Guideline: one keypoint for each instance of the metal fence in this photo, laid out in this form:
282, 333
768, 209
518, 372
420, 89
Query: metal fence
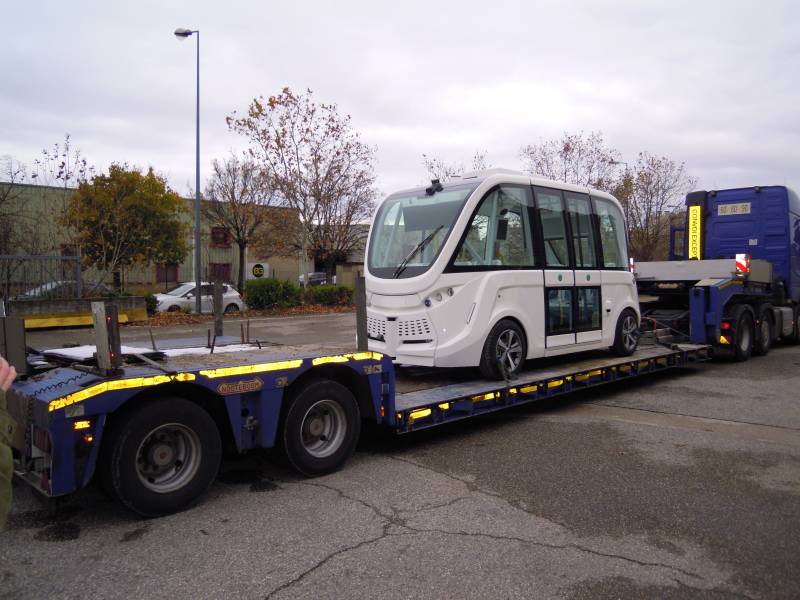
28, 277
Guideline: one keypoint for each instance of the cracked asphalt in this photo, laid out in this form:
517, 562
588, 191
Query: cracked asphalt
685, 486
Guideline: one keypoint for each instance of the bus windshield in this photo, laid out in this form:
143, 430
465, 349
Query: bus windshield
410, 229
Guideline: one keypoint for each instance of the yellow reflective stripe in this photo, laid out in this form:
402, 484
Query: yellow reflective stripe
119, 384
528, 388
556, 383
250, 369
419, 414
341, 358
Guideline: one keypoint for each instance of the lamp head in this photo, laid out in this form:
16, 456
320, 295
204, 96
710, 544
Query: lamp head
182, 33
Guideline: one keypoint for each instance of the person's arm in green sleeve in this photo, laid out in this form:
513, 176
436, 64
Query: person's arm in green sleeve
7, 376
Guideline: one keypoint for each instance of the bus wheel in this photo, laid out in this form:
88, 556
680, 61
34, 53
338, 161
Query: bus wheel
504, 351
626, 338
321, 428
162, 456
763, 341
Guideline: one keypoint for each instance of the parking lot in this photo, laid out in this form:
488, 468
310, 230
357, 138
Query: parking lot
686, 485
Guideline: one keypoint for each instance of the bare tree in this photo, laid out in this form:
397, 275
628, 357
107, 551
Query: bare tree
444, 171
313, 160
651, 194
238, 197
62, 164
574, 158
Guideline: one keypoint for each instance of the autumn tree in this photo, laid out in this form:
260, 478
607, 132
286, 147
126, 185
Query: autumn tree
445, 171
126, 218
238, 198
575, 158
650, 193
315, 163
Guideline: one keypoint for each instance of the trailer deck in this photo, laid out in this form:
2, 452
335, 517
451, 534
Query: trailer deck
420, 406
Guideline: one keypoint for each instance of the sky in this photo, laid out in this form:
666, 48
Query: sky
712, 84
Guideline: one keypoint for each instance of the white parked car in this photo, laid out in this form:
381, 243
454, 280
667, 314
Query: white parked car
497, 267
183, 298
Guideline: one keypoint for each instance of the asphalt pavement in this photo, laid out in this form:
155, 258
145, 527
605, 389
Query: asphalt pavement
683, 485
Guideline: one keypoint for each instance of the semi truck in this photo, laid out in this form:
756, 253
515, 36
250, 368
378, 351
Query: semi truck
152, 424
733, 278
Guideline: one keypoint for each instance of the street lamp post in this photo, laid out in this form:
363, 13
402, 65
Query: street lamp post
182, 34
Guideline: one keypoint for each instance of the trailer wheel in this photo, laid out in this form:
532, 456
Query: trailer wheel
321, 428
505, 345
626, 337
161, 457
743, 335
763, 341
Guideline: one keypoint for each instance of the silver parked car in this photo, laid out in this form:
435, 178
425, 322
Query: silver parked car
183, 298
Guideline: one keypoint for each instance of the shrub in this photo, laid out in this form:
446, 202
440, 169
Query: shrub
260, 294
330, 295
151, 303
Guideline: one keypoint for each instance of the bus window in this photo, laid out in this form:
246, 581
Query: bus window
499, 234
554, 233
583, 241
612, 235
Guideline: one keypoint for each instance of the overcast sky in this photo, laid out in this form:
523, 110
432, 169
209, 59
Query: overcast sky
714, 84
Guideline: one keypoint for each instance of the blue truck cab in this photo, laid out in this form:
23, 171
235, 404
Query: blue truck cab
733, 278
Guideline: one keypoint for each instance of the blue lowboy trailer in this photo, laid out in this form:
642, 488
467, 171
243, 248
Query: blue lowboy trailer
734, 278
154, 432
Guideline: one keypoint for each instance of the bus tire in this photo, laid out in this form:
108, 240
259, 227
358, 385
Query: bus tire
161, 456
505, 344
626, 336
321, 428
763, 330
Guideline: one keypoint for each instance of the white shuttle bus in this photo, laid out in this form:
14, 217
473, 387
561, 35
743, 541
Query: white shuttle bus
496, 267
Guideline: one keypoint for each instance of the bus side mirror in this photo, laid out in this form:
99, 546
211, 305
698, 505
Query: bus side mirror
502, 229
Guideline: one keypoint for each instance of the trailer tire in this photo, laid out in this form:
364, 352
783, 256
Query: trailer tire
161, 456
504, 336
626, 336
743, 334
321, 428
764, 330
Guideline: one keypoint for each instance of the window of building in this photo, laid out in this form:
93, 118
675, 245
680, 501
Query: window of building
219, 271
220, 237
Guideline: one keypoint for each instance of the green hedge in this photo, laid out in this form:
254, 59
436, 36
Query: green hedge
329, 295
151, 303
260, 294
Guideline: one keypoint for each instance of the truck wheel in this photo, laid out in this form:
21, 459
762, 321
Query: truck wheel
794, 337
505, 345
321, 428
763, 341
626, 338
161, 457
743, 336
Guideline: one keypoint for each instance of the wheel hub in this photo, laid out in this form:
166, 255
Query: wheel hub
161, 455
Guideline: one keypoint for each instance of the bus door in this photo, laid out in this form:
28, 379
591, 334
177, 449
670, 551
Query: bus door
559, 276
588, 296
